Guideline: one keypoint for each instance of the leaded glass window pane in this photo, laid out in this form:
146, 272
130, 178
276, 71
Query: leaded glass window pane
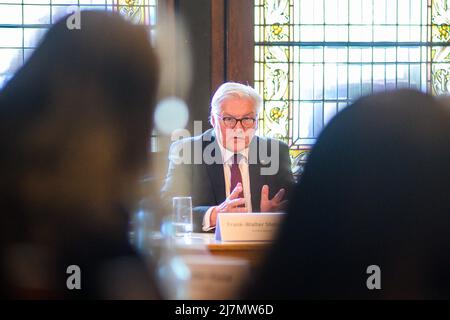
24, 22
314, 57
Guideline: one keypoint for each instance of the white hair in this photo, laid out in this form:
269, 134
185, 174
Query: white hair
235, 90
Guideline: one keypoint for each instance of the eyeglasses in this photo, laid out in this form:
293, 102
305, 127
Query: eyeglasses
231, 122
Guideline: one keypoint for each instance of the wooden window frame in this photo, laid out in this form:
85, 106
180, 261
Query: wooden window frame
232, 45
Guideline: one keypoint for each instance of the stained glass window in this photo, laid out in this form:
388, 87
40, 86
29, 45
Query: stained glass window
314, 57
24, 22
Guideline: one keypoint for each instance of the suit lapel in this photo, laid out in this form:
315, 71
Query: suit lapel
215, 170
256, 179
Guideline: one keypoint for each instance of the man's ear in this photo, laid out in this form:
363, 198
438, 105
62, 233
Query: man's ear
212, 120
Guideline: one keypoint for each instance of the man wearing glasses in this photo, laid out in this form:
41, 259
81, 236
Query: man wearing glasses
240, 180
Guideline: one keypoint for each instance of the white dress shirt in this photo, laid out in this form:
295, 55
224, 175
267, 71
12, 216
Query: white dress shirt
227, 158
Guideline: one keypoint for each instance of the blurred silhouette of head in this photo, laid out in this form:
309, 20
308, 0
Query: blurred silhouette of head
374, 192
77, 116
75, 127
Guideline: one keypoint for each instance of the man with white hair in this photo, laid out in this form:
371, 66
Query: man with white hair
238, 171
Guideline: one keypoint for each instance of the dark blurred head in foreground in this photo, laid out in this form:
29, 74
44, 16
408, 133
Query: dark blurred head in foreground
375, 191
75, 126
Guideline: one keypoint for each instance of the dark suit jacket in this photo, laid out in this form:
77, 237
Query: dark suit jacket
205, 183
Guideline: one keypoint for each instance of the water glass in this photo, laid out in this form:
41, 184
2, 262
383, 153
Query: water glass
182, 215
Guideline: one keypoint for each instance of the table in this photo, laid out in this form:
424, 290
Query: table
218, 269
204, 243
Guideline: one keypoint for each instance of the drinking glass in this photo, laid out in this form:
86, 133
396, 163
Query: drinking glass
182, 215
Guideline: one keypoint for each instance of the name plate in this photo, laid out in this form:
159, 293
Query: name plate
247, 226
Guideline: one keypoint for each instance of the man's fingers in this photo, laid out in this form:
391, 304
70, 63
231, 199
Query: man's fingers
282, 206
265, 193
236, 202
240, 210
236, 191
279, 196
